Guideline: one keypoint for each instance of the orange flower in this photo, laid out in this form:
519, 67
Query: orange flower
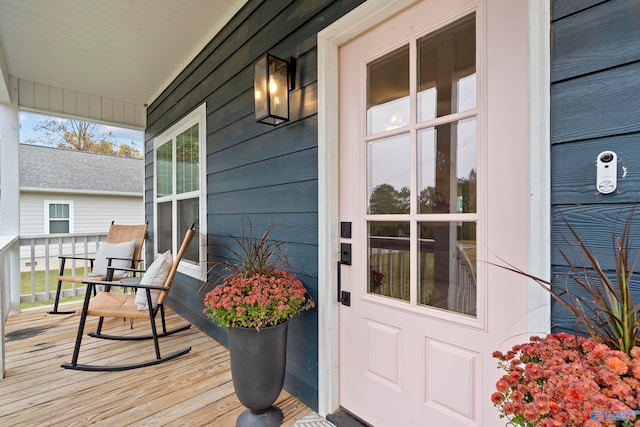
616, 365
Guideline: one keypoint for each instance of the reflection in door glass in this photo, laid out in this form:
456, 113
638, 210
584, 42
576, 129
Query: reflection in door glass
388, 175
389, 259
447, 266
447, 168
388, 92
446, 70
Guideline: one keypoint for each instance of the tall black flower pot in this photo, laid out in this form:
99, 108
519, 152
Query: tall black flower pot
258, 363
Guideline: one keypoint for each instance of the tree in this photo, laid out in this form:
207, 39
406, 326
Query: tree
71, 134
385, 199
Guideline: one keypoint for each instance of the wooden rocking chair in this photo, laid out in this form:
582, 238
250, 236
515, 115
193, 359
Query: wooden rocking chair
115, 249
115, 304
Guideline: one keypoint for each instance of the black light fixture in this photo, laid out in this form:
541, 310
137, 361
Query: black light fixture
272, 82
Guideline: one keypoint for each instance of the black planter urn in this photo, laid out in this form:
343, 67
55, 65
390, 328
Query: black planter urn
258, 364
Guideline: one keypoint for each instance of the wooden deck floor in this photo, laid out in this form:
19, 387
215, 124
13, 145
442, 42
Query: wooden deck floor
192, 390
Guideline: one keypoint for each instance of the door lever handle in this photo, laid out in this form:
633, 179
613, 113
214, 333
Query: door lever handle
344, 297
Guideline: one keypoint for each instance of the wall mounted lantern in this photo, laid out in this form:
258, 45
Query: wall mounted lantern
272, 82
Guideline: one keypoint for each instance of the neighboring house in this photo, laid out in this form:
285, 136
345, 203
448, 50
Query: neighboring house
65, 191
434, 137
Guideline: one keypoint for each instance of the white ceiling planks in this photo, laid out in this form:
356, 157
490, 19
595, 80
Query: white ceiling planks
126, 51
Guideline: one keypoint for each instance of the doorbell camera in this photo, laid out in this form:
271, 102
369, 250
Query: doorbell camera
606, 172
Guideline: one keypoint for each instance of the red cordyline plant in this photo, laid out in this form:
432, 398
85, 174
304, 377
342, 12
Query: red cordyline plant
563, 380
258, 292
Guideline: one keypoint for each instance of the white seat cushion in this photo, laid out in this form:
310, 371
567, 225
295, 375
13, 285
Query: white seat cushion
156, 275
113, 250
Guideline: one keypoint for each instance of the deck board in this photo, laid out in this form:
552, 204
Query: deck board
192, 390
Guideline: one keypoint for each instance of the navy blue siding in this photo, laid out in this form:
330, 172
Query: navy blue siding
577, 53
562, 8
595, 106
256, 173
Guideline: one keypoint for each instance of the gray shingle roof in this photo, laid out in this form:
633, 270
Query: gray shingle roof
52, 168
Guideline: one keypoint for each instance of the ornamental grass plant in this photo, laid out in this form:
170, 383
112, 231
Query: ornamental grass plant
257, 291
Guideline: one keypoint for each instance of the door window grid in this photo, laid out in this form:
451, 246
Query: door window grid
442, 215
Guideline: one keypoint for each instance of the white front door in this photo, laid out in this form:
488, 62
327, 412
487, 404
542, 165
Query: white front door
433, 182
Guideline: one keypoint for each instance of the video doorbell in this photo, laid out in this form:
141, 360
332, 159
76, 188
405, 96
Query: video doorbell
606, 172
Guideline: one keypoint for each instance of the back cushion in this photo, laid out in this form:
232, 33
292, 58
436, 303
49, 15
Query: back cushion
115, 250
155, 275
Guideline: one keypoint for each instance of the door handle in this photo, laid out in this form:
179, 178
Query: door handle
344, 297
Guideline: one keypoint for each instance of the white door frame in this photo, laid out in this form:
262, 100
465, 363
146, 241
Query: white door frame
361, 19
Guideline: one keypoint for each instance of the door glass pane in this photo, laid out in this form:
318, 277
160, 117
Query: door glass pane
187, 161
163, 234
389, 259
447, 168
164, 179
447, 266
388, 175
447, 70
188, 213
388, 92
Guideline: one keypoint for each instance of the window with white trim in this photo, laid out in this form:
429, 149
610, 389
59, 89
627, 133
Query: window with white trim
179, 160
58, 216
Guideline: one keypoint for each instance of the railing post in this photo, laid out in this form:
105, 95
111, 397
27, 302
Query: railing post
33, 270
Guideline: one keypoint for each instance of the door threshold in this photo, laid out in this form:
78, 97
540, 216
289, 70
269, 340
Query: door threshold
341, 418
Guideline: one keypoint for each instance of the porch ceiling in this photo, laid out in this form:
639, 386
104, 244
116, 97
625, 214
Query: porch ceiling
127, 50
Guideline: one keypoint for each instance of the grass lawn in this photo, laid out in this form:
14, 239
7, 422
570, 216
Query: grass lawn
40, 276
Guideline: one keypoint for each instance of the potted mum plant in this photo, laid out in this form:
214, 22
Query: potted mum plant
256, 300
572, 380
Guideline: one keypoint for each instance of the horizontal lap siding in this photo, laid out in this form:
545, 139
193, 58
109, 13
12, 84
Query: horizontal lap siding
596, 105
563, 8
257, 174
595, 74
90, 213
615, 43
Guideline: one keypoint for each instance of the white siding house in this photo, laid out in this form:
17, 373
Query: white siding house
63, 191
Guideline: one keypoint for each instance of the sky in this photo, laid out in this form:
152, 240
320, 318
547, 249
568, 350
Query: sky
123, 136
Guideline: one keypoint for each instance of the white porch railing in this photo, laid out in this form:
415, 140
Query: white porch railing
389, 272
39, 255
9, 250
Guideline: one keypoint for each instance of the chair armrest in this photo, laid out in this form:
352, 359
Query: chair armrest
138, 285
76, 257
124, 259
130, 269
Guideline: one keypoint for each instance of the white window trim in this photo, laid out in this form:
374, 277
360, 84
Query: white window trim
197, 116
539, 162
47, 225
